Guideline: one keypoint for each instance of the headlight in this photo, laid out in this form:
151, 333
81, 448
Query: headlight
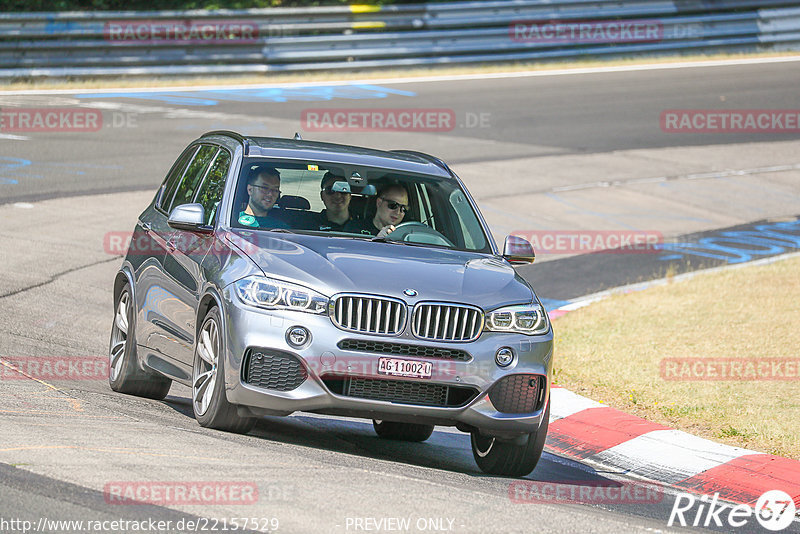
529, 319
273, 294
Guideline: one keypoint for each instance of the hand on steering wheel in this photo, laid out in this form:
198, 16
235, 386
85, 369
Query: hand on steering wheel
385, 231
403, 230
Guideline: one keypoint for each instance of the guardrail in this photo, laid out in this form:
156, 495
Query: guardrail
92, 44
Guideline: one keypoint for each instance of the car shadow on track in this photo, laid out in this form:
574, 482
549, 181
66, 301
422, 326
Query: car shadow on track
447, 449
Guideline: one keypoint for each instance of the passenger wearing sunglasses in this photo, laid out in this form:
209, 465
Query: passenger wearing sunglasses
263, 190
337, 205
391, 206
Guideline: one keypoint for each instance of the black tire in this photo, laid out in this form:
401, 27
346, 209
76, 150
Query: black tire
214, 411
510, 458
124, 374
402, 431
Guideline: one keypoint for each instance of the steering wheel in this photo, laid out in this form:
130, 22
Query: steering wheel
404, 231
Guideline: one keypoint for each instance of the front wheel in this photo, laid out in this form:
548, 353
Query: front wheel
211, 407
510, 458
124, 375
402, 431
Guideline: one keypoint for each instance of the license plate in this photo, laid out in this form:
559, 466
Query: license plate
409, 368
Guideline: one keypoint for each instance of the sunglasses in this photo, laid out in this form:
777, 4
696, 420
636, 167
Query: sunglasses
392, 205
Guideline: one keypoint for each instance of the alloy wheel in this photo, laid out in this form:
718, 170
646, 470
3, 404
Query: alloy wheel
119, 336
205, 367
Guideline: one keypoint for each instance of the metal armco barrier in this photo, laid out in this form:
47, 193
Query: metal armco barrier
92, 44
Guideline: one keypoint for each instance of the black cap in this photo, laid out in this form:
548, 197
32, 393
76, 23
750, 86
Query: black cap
330, 175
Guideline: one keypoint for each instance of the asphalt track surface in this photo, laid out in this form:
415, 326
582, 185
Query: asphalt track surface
59, 448
522, 118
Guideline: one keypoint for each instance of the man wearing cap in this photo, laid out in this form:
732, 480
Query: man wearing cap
337, 205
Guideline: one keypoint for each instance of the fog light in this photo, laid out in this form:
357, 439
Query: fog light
504, 357
297, 336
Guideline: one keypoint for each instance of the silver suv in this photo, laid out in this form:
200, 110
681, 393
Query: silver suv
280, 275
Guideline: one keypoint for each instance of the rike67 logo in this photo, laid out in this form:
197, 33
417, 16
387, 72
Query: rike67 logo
774, 510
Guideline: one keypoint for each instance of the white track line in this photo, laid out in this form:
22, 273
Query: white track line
426, 79
669, 455
564, 403
580, 302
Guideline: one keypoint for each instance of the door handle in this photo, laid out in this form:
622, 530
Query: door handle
171, 245
147, 227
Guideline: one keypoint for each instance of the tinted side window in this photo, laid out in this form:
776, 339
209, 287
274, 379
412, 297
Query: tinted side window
194, 173
171, 182
210, 192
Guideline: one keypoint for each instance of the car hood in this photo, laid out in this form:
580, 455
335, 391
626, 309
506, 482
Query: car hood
335, 265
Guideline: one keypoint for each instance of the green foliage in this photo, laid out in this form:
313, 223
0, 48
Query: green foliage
730, 432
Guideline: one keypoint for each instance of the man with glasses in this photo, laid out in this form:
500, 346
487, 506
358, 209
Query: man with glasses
337, 205
391, 206
263, 190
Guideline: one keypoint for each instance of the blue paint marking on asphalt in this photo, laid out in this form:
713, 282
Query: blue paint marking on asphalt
10, 169
11, 165
739, 246
212, 97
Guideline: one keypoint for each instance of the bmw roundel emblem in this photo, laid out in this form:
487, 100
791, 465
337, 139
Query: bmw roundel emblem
410, 292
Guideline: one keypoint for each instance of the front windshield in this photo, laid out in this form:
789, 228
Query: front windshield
344, 201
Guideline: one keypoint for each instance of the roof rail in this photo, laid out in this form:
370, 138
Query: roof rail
239, 137
433, 159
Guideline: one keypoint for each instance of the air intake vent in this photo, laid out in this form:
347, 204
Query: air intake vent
518, 393
368, 314
447, 322
273, 370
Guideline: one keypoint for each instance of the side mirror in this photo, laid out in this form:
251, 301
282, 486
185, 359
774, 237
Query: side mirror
518, 250
189, 217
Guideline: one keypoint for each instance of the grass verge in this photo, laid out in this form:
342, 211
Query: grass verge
612, 352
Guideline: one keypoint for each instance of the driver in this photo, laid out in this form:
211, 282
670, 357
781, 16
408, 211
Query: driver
391, 206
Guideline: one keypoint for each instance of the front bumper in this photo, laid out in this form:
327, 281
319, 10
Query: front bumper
252, 328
